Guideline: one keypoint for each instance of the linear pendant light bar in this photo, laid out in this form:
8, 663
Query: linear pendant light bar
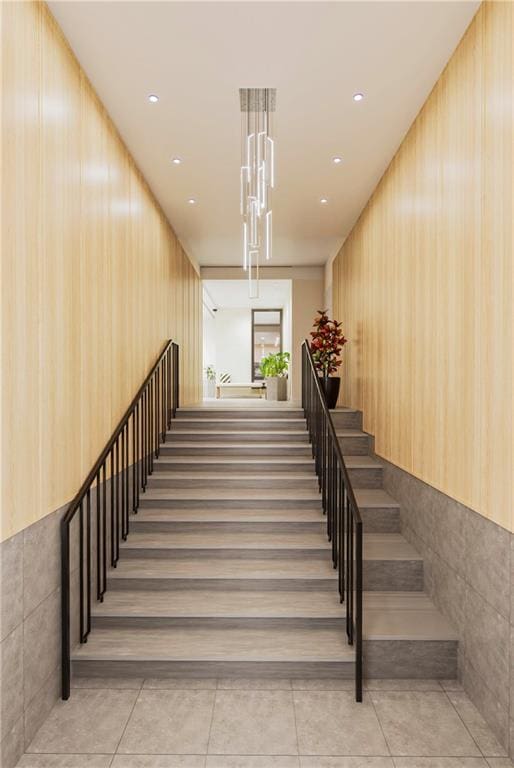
257, 179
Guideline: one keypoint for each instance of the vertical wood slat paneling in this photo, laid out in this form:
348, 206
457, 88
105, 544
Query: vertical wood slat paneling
424, 283
89, 273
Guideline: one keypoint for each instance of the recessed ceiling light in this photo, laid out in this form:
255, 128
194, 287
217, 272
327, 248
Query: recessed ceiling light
176, 160
324, 200
192, 201
336, 160
358, 96
153, 98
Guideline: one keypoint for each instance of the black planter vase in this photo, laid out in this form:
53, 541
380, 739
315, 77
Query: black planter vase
331, 386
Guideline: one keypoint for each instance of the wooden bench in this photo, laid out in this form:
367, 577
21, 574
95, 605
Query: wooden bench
233, 385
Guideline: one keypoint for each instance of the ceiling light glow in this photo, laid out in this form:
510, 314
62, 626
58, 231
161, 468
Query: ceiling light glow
336, 160
192, 201
176, 160
324, 200
153, 98
358, 96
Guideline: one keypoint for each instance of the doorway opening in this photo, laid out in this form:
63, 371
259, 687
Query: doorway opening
238, 332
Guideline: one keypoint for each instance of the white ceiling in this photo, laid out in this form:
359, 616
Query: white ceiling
196, 55
233, 294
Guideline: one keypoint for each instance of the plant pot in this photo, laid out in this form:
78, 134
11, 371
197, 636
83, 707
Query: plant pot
331, 386
209, 388
276, 388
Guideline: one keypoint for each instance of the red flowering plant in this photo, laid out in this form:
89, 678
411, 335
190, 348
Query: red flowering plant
327, 342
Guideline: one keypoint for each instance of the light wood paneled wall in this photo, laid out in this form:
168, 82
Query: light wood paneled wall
93, 279
424, 283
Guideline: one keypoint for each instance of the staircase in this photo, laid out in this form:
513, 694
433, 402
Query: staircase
227, 570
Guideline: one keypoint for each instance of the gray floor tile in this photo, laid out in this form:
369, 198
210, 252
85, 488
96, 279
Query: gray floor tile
65, 761
476, 725
158, 761
341, 684
180, 684
253, 723
120, 683
169, 722
12, 745
440, 762
422, 724
332, 723
252, 761
253, 684
89, 722
499, 762
402, 685
345, 762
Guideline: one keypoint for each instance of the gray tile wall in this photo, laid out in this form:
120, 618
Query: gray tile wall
29, 633
30, 625
469, 574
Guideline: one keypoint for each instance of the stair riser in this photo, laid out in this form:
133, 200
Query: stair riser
354, 446
366, 477
212, 669
240, 503
308, 482
235, 552
239, 437
393, 575
421, 659
143, 526
240, 425
242, 452
350, 420
381, 520
230, 468
207, 623
271, 585
223, 414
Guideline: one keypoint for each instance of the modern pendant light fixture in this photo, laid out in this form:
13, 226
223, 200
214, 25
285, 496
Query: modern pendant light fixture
257, 179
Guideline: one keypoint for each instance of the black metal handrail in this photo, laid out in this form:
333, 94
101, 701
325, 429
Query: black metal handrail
125, 464
344, 523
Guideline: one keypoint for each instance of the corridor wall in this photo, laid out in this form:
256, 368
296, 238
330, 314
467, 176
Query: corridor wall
93, 278
424, 284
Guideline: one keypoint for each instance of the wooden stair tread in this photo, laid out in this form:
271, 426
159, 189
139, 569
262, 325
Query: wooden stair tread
215, 568
185, 644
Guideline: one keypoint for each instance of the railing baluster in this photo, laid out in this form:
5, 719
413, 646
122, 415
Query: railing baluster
81, 571
134, 462
145, 439
122, 478
88, 563
98, 538
127, 495
104, 530
113, 535
117, 496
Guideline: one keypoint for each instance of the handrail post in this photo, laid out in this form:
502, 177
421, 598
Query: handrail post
65, 610
358, 610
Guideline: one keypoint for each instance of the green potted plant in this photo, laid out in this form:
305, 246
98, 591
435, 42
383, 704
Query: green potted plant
274, 370
326, 345
210, 377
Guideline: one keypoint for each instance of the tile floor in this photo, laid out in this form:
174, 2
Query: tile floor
158, 723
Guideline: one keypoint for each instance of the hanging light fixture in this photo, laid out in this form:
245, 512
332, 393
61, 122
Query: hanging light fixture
257, 179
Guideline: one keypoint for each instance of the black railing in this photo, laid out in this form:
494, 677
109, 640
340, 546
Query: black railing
344, 523
108, 496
